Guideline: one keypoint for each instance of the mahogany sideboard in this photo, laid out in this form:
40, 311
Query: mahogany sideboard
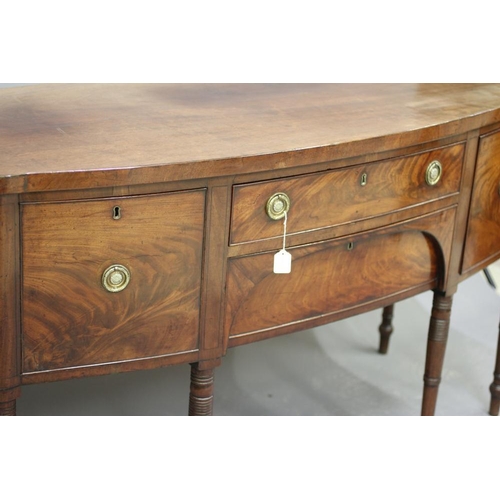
140, 223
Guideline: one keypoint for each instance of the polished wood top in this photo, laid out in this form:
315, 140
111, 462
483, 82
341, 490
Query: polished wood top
184, 131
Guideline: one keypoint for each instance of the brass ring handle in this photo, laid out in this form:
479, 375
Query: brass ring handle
115, 278
433, 173
277, 205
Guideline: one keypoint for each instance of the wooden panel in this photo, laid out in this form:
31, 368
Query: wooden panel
9, 301
70, 320
483, 232
337, 197
328, 277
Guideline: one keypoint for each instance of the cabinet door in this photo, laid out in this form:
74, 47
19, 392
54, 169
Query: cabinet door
110, 280
483, 232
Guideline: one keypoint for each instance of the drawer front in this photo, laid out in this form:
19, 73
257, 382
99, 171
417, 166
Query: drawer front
70, 319
483, 232
345, 195
334, 276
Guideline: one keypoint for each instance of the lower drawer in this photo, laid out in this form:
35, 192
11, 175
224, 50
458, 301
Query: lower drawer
76, 310
330, 277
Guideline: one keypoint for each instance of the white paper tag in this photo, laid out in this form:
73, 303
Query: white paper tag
282, 262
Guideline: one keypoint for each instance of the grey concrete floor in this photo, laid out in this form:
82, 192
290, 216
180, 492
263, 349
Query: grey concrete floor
330, 370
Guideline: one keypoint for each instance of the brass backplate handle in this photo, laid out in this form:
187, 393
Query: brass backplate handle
433, 172
115, 278
277, 205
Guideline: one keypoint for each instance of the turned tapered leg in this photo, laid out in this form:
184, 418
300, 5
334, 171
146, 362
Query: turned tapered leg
8, 408
436, 346
201, 391
386, 328
495, 386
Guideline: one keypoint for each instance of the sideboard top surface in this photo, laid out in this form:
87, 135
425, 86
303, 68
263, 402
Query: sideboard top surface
184, 131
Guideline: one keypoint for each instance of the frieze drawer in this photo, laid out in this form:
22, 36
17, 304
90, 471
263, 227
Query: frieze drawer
110, 280
347, 195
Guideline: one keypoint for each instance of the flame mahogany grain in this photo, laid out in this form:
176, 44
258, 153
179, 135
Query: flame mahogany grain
337, 197
328, 277
483, 232
70, 320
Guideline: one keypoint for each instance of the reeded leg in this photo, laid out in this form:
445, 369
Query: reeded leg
495, 386
201, 391
8, 408
436, 346
386, 329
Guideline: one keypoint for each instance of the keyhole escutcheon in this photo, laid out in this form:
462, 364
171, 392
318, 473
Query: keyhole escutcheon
117, 212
